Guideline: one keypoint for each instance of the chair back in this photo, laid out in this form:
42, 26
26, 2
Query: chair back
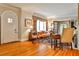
67, 35
34, 34
52, 35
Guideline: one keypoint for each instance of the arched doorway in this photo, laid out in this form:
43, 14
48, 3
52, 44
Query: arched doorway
9, 27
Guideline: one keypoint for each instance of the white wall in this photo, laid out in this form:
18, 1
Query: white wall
24, 33
26, 14
7, 7
78, 36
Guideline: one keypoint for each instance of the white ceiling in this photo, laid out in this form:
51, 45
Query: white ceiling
50, 9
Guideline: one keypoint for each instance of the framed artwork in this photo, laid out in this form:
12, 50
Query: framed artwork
28, 22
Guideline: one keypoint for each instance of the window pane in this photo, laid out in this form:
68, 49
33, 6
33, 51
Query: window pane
10, 20
38, 25
41, 26
44, 26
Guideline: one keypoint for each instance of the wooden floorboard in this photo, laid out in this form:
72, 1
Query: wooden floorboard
36, 49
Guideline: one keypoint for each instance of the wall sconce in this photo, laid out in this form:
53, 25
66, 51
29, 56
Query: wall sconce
28, 30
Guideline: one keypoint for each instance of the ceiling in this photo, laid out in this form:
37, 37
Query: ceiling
50, 9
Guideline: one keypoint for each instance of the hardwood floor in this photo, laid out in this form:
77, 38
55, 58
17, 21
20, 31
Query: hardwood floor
29, 49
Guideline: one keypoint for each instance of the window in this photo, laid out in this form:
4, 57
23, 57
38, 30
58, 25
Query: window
10, 20
41, 25
38, 25
62, 26
44, 26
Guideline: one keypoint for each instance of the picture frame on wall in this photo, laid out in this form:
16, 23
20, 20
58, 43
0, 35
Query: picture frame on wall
28, 22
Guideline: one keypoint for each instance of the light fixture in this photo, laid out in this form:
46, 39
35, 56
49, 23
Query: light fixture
28, 30
31, 27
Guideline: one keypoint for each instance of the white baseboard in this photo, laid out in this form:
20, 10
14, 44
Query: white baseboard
23, 40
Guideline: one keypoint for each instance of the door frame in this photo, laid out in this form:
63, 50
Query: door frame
0, 29
1, 19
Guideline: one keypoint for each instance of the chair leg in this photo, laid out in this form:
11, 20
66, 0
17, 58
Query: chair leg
37, 40
55, 44
71, 45
51, 43
32, 40
61, 44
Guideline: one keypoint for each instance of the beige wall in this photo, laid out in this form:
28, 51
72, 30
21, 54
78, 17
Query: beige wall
78, 26
24, 32
6, 7
0, 29
23, 35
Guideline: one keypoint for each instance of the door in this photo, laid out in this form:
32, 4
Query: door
9, 27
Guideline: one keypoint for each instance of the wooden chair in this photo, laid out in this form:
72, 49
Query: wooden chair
56, 39
34, 36
67, 36
52, 35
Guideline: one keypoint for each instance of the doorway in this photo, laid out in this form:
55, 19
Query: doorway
9, 27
